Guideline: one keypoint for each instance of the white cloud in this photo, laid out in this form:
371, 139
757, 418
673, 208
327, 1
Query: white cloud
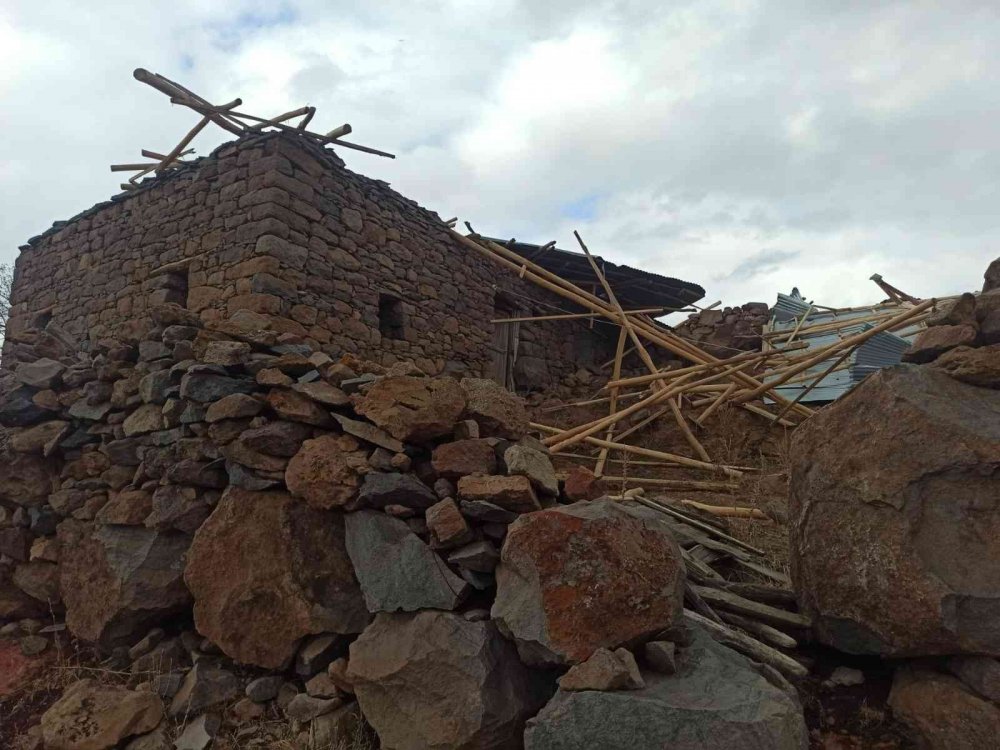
814, 144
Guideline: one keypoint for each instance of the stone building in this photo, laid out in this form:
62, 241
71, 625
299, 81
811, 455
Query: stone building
272, 231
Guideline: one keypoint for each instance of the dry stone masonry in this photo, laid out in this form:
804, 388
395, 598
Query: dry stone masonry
257, 527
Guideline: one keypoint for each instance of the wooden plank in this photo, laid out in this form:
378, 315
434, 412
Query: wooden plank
755, 610
749, 646
767, 634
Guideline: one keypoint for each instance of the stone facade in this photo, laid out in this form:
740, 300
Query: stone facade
272, 231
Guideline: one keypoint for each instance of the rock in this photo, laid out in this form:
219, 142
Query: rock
396, 569
454, 460
321, 686
718, 699
413, 409
369, 433
979, 366
153, 387
39, 580
147, 418
498, 412
198, 734
204, 686
961, 311
118, 580
480, 556
42, 373
891, 517
168, 656
208, 387
264, 689
932, 342
127, 508
939, 713
18, 408
381, 489
845, 677
988, 317
317, 653
180, 508
337, 728
326, 472
32, 645
575, 578
534, 464
322, 393
980, 673
275, 439
236, 406
485, 512
337, 672
167, 685
604, 670
155, 740
245, 710
265, 571
661, 656
510, 493
90, 716
294, 407
226, 353
41, 438
306, 708
435, 680
582, 484
991, 279
446, 525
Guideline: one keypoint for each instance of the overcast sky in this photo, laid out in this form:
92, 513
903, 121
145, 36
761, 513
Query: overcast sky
746, 146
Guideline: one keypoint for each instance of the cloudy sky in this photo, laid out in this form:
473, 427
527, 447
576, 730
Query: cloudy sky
747, 146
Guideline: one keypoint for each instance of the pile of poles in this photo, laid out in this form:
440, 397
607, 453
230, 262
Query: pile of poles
229, 119
688, 395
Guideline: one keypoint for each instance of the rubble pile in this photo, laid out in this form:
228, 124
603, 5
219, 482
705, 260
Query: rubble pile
250, 528
894, 518
723, 333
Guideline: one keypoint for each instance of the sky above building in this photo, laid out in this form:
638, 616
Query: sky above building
746, 146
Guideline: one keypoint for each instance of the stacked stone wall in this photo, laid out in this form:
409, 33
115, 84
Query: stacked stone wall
276, 233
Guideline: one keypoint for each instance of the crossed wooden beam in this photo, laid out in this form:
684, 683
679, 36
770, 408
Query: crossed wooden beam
227, 118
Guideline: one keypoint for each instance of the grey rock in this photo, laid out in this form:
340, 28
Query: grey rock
317, 653
42, 373
264, 689
306, 708
33, 644
981, 673
486, 512
153, 387
167, 685
717, 699
198, 734
155, 740
533, 464
433, 679
17, 409
661, 656
604, 670
396, 570
845, 677
205, 685
480, 556
380, 489
206, 387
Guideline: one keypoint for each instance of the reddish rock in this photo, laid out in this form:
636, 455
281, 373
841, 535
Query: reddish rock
413, 409
938, 712
580, 577
604, 670
41, 438
16, 669
323, 393
510, 493
295, 407
126, 508
26, 478
326, 472
447, 525
893, 521
234, 406
498, 412
582, 484
266, 570
980, 366
464, 457
935, 341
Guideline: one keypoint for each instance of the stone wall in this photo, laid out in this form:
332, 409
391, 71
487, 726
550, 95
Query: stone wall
273, 232
727, 332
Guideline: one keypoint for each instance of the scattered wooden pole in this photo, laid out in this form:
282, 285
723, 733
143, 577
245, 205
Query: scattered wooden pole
749, 646
616, 373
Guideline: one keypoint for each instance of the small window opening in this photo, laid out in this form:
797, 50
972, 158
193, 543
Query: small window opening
391, 318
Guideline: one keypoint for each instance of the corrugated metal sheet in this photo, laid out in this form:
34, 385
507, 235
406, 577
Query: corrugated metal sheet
881, 350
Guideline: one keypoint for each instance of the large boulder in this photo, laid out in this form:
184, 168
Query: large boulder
91, 716
412, 409
717, 699
435, 681
326, 471
975, 366
579, 577
396, 569
116, 581
895, 517
938, 712
266, 570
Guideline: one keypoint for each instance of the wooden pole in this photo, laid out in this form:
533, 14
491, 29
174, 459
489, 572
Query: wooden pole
688, 435
616, 373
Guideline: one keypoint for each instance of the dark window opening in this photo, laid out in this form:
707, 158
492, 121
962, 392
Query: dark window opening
391, 318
